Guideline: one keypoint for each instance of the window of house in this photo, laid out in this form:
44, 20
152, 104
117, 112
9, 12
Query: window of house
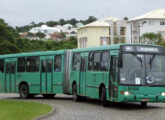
76, 62
57, 63
151, 23
96, 61
162, 22
2, 65
104, 41
21, 64
104, 61
32, 64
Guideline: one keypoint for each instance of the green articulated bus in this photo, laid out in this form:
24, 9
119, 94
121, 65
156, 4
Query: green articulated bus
118, 73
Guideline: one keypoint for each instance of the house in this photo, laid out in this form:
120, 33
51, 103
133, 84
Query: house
44, 29
102, 32
56, 36
153, 21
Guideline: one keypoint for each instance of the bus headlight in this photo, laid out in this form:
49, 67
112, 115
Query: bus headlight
126, 93
163, 94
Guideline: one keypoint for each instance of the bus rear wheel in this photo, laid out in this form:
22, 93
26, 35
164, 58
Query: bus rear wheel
24, 91
75, 96
103, 97
48, 95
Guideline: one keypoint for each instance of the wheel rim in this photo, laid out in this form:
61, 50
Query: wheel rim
24, 91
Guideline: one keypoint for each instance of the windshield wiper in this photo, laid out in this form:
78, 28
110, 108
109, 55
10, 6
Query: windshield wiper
151, 60
138, 58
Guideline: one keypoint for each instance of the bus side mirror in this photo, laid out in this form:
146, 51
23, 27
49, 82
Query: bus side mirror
120, 61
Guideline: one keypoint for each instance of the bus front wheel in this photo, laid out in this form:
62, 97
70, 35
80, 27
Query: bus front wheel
75, 96
103, 97
24, 91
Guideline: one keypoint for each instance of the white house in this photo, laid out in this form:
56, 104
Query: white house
153, 21
45, 29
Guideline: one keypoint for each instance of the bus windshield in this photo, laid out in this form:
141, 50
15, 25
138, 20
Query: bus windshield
143, 69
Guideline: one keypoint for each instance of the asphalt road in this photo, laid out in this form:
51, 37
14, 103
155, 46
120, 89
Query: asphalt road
67, 109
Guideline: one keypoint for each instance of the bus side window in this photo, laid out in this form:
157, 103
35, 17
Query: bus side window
57, 63
90, 61
2, 65
33, 64
76, 62
96, 61
104, 61
21, 64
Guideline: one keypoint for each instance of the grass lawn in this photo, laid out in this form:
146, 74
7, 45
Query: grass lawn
20, 110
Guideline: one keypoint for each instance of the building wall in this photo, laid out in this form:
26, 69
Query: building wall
98, 36
146, 26
92, 35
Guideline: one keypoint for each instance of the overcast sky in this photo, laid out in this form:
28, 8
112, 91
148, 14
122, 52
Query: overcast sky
23, 12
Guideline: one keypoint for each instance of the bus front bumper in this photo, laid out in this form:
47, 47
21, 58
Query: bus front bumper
141, 98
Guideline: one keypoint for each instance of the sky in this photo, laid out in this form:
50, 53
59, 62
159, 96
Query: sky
23, 12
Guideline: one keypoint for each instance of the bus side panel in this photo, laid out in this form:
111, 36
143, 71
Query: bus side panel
32, 79
58, 79
92, 88
2, 82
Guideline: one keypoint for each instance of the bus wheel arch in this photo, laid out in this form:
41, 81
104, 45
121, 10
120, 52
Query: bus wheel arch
24, 90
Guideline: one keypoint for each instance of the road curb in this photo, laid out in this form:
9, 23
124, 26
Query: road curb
46, 115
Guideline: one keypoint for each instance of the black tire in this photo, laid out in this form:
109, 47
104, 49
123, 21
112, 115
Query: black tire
31, 95
143, 104
48, 95
75, 96
24, 91
103, 97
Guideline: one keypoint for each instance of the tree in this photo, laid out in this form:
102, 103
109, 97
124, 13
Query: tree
73, 21
150, 38
62, 22
30, 34
51, 23
125, 18
40, 35
91, 19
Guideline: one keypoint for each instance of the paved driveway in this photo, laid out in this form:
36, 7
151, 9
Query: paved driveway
67, 109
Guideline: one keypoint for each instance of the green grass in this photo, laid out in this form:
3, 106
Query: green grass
20, 110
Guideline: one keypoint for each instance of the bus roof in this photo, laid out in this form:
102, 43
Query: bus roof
32, 54
108, 47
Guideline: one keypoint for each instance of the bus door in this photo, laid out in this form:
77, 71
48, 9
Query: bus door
83, 75
47, 76
113, 85
10, 76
